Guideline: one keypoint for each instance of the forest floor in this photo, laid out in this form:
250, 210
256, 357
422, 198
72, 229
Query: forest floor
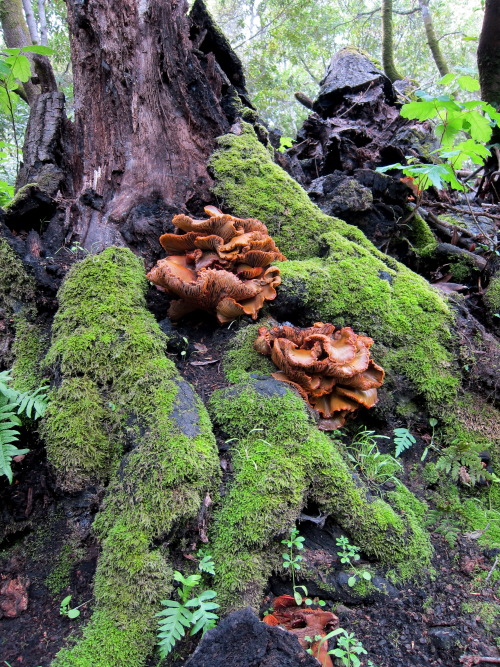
448, 614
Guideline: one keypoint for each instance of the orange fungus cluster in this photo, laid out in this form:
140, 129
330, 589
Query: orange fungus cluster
331, 369
222, 264
308, 625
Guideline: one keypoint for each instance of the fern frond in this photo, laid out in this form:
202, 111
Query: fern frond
172, 625
33, 401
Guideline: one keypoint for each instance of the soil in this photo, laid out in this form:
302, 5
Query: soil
424, 624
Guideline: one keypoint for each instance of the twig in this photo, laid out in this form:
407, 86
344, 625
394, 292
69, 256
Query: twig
461, 210
491, 571
470, 660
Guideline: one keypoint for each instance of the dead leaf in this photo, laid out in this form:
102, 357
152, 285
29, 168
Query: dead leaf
203, 363
199, 347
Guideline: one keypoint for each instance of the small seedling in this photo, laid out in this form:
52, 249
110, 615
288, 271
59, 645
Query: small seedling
70, 612
206, 562
349, 555
432, 423
292, 561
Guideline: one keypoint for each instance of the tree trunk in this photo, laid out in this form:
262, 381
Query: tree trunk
488, 54
147, 111
387, 42
432, 39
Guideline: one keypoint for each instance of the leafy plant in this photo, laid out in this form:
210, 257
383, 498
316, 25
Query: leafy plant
349, 554
196, 613
432, 423
454, 120
377, 468
70, 612
206, 562
14, 403
443, 525
292, 560
348, 647
403, 440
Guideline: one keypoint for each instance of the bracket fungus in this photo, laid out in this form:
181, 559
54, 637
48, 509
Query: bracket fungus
221, 264
332, 370
308, 625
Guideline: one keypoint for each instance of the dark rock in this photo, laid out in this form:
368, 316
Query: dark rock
337, 194
241, 640
184, 412
349, 71
444, 638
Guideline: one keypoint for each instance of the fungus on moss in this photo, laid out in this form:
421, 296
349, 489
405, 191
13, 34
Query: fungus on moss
221, 264
332, 370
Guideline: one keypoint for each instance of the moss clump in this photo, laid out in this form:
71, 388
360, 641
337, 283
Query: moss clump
242, 358
421, 236
28, 349
492, 295
352, 283
119, 393
251, 184
17, 294
280, 461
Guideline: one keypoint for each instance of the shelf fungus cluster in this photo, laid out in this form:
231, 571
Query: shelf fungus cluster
222, 264
331, 369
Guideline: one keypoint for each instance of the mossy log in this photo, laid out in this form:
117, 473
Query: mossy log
120, 413
282, 461
334, 274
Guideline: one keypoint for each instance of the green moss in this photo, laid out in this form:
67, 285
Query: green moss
242, 359
492, 295
251, 184
119, 393
280, 461
60, 575
364, 588
409, 321
421, 236
462, 269
17, 294
352, 283
473, 423
20, 196
28, 349
430, 474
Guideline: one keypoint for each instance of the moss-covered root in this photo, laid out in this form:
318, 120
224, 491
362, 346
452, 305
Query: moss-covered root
281, 460
122, 412
336, 274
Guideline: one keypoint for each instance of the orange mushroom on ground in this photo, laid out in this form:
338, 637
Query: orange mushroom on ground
331, 369
222, 264
306, 624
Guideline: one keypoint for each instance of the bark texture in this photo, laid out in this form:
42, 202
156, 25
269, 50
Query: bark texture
488, 54
148, 107
432, 40
387, 42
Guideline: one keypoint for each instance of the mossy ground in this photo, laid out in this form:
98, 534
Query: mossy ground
351, 283
117, 414
492, 295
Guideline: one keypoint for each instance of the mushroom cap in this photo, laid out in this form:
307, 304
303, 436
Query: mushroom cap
331, 369
241, 248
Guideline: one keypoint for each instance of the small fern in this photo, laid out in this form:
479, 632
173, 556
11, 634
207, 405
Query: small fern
461, 464
196, 613
12, 404
403, 440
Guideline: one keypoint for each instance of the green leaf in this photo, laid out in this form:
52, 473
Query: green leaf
366, 575
446, 79
172, 625
479, 127
351, 581
73, 613
419, 110
468, 83
38, 48
21, 67
382, 170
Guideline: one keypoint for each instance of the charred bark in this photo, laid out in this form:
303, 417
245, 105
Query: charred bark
148, 106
